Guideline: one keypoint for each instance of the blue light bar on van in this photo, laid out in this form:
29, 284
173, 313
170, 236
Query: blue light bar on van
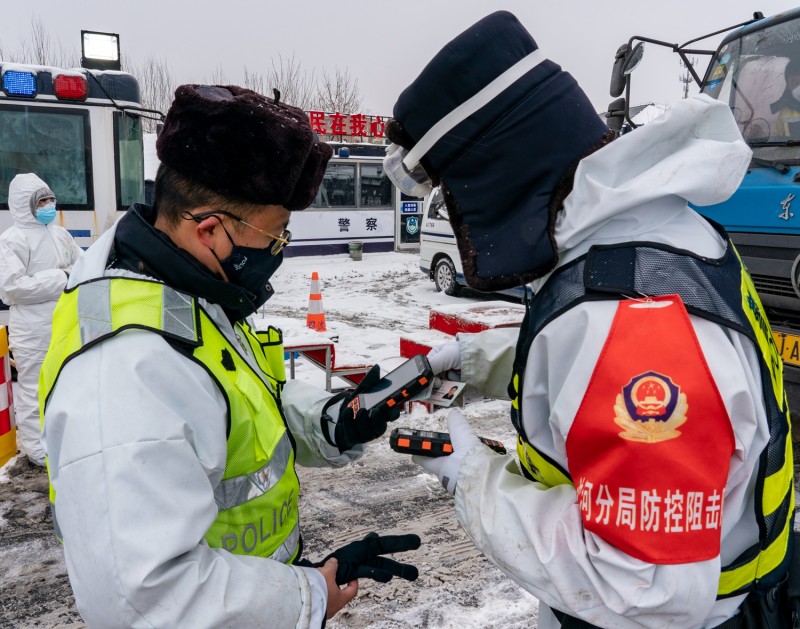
16, 83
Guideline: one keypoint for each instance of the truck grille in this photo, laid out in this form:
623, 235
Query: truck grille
774, 286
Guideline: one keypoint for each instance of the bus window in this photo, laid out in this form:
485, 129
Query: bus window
376, 189
129, 160
54, 144
339, 186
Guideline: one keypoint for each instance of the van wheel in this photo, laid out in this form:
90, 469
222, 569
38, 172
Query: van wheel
444, 276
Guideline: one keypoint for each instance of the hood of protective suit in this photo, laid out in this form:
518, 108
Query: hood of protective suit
693, 153
500, 125
19, 198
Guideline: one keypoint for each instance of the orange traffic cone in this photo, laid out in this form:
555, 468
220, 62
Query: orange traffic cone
315, 319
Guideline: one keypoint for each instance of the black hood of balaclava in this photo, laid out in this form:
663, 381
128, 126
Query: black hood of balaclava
500, 166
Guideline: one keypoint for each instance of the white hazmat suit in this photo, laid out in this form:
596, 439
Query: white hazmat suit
34, 262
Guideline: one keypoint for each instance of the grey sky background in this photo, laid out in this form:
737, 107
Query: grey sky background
382, 44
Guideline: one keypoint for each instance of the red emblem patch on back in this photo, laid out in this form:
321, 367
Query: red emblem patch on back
650, 446
650, 408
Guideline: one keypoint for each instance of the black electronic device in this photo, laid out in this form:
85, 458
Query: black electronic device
396, 387
429, 443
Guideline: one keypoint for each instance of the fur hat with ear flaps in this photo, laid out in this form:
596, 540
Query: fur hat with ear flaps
243, 145
507, 127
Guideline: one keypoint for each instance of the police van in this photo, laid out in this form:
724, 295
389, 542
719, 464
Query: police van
438, 253
80, 131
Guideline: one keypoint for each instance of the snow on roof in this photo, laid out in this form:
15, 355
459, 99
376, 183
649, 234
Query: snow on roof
642, 114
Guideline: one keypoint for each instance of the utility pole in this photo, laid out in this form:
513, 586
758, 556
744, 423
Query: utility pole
685, 76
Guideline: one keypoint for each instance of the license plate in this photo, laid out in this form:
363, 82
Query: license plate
789, 347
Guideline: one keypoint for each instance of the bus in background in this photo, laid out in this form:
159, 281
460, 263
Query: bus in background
80, 131
357, 203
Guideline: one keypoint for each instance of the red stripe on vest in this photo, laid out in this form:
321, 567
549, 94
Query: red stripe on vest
650, 446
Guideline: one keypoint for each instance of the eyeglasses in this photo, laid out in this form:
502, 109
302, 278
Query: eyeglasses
278, 242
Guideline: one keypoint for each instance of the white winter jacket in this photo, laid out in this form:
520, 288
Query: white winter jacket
34, 262
135, 472
635, 189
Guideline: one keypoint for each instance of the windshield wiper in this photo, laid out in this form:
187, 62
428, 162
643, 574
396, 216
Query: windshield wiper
773, 143
781, 168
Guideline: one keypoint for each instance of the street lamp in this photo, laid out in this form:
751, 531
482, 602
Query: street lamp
100, 51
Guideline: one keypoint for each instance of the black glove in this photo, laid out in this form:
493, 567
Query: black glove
361, 560
362, 425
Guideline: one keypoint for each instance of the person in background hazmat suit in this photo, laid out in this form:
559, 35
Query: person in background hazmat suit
653, 483
36, 257
170, 429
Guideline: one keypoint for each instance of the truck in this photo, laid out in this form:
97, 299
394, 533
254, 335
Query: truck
80, 130
752, 70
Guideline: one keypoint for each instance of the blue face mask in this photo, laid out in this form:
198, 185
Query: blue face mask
46, 214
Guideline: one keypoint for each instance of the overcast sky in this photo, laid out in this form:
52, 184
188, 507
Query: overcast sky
382, 44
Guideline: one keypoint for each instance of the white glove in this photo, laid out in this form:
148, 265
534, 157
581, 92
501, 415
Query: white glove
445, 357
445, 468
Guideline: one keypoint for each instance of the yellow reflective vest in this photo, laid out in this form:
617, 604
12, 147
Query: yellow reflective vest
258, 495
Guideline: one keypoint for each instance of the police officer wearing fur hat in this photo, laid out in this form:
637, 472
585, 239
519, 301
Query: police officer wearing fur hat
653, 482
171, 432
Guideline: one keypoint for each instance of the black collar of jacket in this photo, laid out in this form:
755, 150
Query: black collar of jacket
141, 248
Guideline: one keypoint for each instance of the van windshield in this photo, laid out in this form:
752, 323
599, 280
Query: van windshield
437, 209
54, 144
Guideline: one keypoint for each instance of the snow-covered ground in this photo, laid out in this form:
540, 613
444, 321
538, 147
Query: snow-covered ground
368, 305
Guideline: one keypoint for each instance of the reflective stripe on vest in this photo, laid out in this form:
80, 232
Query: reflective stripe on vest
257, 498
717, 290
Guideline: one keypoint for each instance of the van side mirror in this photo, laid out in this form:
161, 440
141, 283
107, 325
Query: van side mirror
625, 62
615, 116
633, 59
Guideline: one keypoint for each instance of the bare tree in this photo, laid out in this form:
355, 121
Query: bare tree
218, 77
42, 49
37, 48
157, 87
255, 81
295, 84
338, 92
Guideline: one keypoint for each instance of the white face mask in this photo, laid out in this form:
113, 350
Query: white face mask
796, 93
415, 182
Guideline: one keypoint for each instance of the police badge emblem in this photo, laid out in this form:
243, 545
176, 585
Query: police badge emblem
650, 408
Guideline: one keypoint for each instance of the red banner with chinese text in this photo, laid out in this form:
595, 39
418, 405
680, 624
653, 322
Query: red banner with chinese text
650, 446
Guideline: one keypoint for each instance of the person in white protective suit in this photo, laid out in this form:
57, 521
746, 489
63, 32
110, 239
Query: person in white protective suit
653, 482
35, 259
171, 432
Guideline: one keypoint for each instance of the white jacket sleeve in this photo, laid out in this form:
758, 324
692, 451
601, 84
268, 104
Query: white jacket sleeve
134, 466
302, 406
535, 534
73, 251
487, 359
17, 286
